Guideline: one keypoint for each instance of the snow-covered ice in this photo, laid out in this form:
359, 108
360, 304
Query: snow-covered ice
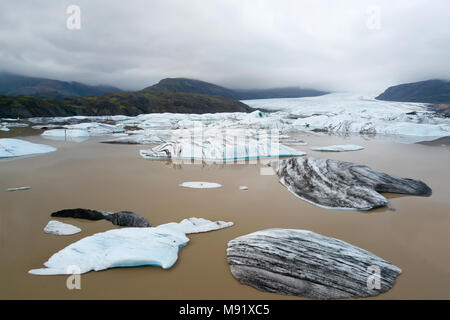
17, 147
243, 188
345, 113
60, 228
200, 185
338, 148
127, 247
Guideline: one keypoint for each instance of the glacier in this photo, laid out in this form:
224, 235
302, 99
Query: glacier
128, 247
17, 147
336, 113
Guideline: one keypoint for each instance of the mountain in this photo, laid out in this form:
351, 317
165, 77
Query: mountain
42, 87
125, 103
193, 86
430, 91
197, 86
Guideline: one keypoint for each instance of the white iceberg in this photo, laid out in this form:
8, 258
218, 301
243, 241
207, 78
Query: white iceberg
72, 135
66, 133
200, 185
215, 145
338, 148
16, 148
127, 247
60, 229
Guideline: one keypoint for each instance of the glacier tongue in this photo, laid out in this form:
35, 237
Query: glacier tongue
127, 247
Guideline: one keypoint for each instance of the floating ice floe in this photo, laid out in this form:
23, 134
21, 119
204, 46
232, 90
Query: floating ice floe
338, 148
16, 148
127, 247
200, 185
60, 229
333, 184
74, 135
243, 188
306, 264
19, 189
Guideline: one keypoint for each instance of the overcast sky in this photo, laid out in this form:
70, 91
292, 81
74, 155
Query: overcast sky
334, 45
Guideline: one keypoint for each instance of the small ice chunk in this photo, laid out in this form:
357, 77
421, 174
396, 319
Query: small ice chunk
60, 229
338, 148
200, 185
19, 189
243, 188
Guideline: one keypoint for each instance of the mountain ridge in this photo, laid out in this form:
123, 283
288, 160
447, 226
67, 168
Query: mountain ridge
428, 91
15, 84
198, 86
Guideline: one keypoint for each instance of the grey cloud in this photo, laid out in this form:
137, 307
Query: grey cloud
251, 44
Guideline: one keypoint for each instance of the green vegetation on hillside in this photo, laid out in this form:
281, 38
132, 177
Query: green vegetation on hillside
125, 103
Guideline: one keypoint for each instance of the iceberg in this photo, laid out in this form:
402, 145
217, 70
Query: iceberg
66, 133
220, 146
121, 218
127, 247
19, 189
333, 184
16, 148
307, 264
338, 148
200, 185
72, 135
60, 229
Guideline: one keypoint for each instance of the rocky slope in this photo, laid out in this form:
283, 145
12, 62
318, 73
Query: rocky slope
430, 91
41, 87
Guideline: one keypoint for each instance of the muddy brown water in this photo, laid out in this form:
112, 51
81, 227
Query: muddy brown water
89, 174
